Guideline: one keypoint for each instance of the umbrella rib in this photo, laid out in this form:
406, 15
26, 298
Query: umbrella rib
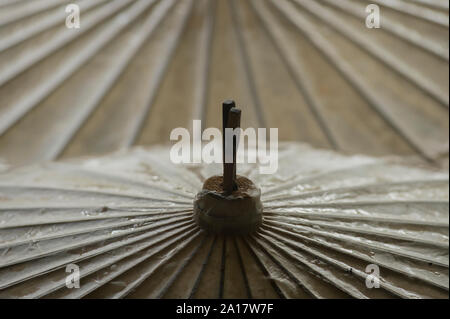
383, 56
264, 270
37, 8
43, 25
334, 280
304, 286
24, 188
399, 253
159, 75
359, 256
17, 111
183, 266
435, 5
5, 3
80, 293
147, 274
87, 218
130, 51
340, 190
203, 71
146, 257
78, 244
353, 217
99, 208
297, 75
60, 41
173, 171
202, 270
65, 38
86, 229
222, 268
357, 82
128, 181
406, 34
299, 179
358, 230
415, 11
346, 205
244, 274
338, 265
60, 261
245, 58
295, 181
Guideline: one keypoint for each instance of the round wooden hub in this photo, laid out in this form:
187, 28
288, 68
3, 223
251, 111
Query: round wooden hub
237, 213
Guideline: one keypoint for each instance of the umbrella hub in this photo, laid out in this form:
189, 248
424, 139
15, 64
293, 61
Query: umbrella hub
218, 211
229, 204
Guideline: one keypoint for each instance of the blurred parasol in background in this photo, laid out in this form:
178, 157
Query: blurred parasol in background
136, 69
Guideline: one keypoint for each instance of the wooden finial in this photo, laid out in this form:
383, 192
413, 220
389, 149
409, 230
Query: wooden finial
226, 108
229, 204
229, 169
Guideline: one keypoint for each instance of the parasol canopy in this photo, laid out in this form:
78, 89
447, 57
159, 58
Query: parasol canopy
136, 69
126, 220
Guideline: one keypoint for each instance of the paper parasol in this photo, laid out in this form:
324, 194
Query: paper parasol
126, 221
